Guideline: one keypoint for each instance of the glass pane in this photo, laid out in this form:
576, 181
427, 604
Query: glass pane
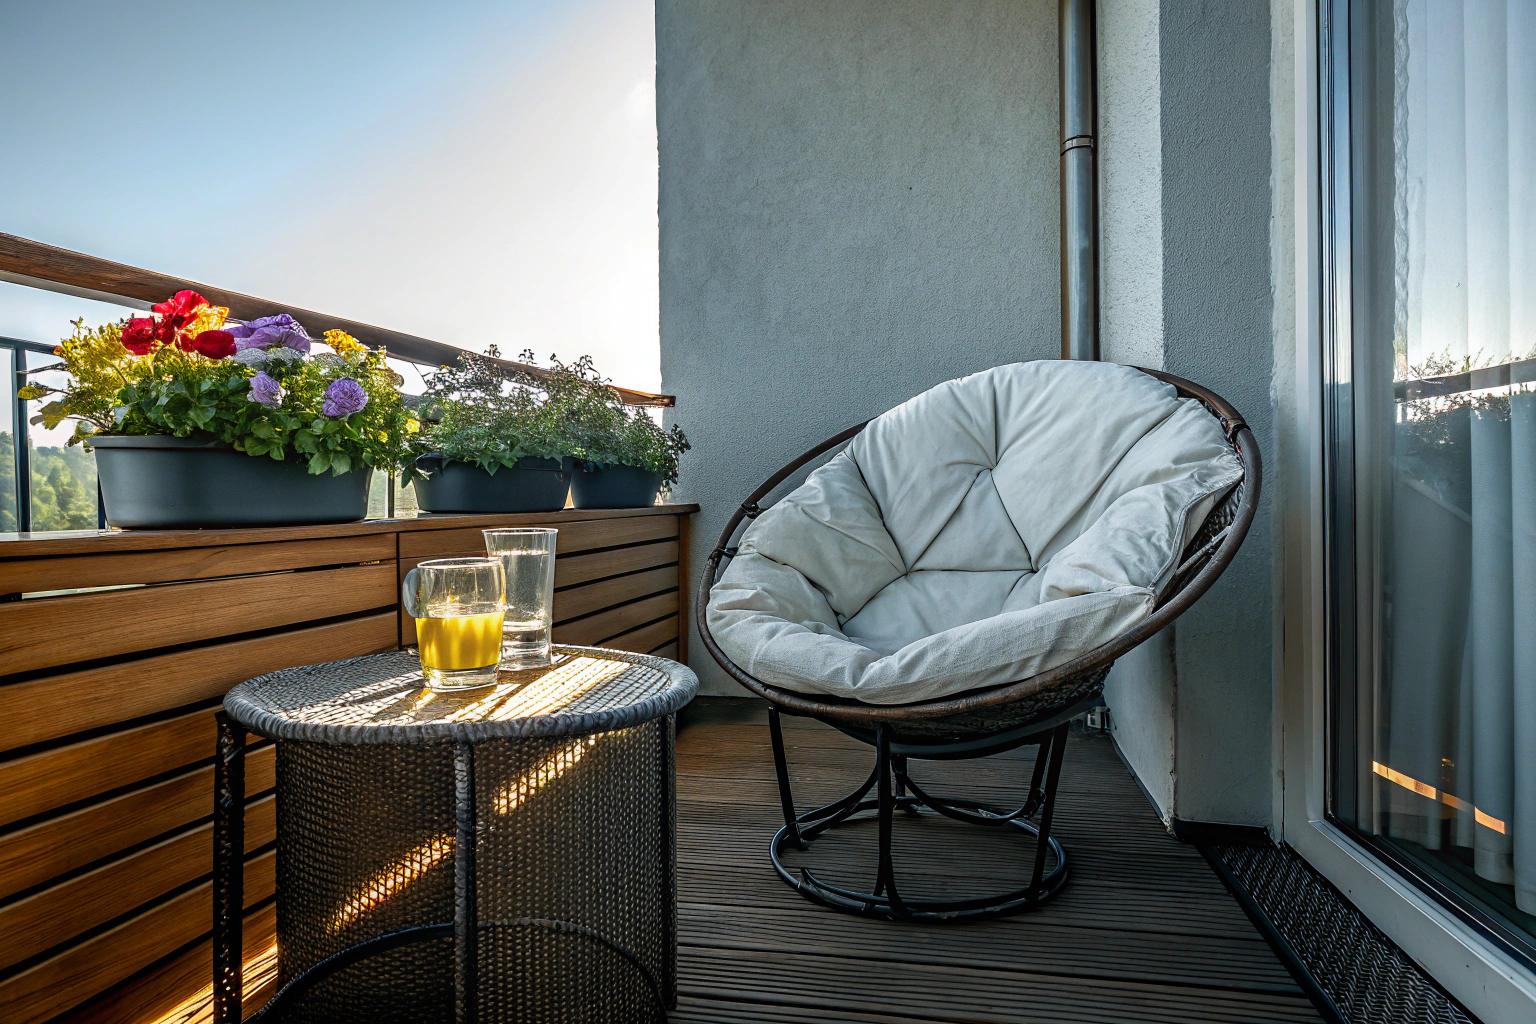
7, 442
378, 498
63, 477
405, 502
1444, 105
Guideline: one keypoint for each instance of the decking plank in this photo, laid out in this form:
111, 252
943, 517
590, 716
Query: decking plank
1143, 931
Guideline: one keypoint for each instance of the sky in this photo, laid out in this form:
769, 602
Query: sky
473, 172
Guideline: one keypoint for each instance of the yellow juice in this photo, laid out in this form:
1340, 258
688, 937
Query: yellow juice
461, 642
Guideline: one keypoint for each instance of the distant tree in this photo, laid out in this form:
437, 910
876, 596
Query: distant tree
63, 488
7, 483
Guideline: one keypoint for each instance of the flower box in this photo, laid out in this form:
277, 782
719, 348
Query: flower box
595, 486
199, 422
158, 482
530, 485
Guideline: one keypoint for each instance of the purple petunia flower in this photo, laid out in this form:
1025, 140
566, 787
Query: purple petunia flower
277, 331
344, 397
266, 390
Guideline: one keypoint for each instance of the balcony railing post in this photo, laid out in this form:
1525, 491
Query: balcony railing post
19, 438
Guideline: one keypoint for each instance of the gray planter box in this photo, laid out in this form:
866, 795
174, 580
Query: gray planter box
533, 485
157, 482
613, 486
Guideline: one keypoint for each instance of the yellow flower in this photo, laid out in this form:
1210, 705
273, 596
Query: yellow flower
341, 341
209, 318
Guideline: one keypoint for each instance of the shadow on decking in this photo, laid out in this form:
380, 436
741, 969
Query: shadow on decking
1144, 931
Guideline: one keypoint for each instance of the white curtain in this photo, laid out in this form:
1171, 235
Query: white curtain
1457, 742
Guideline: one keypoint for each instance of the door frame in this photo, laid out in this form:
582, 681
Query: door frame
1489, 982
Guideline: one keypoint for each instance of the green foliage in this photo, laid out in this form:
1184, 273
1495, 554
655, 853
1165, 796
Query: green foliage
183, 394
1433, 436
602, 430
63, 488
488, 415
492, 416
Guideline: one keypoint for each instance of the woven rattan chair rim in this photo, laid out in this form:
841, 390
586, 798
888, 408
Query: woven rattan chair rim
382, 699
1241, 502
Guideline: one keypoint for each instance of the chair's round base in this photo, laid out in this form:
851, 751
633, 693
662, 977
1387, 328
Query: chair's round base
882, 904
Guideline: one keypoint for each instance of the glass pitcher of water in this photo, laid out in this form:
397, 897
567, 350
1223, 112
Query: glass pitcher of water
528, 562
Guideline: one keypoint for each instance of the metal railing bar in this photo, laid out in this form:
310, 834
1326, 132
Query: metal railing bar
29, 346
1521, 371
36, 265
21, 435
19, 440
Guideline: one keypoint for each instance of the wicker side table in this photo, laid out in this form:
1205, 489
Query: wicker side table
500, 854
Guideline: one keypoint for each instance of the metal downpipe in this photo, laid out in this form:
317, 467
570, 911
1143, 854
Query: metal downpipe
1079, 183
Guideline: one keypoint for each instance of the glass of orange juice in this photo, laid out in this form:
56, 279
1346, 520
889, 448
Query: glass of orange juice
458, 607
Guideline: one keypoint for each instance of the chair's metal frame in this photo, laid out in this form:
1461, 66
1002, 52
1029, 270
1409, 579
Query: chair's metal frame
1037, 710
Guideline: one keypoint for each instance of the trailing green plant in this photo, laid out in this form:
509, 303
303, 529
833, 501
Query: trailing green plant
602, 430
483, 413
183, 372
492, 415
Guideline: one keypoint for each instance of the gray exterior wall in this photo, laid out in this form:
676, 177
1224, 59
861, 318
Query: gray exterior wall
858, 200
1142, 689
1217, 319
1188, 286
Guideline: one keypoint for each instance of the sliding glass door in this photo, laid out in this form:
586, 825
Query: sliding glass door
1431, 528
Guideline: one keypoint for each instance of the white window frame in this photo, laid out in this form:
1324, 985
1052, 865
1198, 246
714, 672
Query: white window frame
1489, 982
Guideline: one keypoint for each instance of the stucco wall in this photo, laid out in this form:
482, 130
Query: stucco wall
1217, 320
1142, 689
1130, 183
858, 200
1188, 286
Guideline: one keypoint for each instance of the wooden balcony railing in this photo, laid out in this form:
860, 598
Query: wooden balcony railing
117, 647
25, 262
107, 699
33, 264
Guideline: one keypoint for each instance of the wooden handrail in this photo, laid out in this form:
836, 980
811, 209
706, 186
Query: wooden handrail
25, 262
1519, 371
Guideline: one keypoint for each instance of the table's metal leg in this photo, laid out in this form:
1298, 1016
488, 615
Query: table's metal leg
228, 869
465, 919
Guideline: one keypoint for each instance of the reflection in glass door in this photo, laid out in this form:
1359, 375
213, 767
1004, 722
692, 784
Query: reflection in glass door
1433, 485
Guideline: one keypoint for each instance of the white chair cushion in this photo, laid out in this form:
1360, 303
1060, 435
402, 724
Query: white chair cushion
983, 532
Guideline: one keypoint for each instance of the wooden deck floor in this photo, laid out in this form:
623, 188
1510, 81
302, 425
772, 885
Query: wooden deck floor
1144, 931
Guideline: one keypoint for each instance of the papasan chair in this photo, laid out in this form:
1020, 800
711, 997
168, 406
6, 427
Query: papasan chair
958, 580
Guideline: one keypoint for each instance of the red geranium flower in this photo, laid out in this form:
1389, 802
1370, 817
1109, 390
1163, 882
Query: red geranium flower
213, 344
181, 307
139, 336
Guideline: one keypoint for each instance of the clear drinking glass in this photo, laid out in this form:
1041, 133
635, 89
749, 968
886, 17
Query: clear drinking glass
528, 560
457, 605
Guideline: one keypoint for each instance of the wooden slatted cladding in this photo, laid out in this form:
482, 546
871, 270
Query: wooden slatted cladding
114, 652
612, 577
